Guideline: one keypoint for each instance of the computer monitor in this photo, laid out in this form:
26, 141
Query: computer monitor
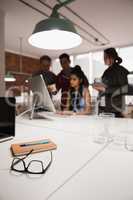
41, 96
7, 118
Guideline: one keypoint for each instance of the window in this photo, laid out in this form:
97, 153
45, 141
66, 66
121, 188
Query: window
83, 62
93, 64
126, 54
56, 67
98, 66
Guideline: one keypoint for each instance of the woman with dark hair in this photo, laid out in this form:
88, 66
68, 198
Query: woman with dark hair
79, 100
114, 78
63, 78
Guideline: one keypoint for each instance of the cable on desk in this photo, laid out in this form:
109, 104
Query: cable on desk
23, 113
28, 110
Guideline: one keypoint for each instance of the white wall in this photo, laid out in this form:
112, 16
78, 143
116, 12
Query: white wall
2, 56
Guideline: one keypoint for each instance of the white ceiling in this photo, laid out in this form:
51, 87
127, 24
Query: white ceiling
112, 18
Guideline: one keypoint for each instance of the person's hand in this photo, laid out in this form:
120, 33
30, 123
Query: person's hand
59, 112
99, 87
69, 113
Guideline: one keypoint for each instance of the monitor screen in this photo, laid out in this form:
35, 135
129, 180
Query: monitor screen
7, 116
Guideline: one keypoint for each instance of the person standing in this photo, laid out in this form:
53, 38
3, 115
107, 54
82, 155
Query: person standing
49, 77
113, 79
63, 79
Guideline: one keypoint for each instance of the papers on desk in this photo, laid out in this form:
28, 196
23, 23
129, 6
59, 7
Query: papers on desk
34, 146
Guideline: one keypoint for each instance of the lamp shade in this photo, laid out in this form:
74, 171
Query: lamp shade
56, 34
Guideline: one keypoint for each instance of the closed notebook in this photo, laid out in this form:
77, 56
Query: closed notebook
36, 146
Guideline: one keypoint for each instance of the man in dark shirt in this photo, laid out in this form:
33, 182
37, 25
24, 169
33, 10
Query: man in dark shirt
49, 77
63, 79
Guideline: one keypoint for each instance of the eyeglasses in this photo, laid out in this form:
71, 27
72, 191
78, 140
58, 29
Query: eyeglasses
33, 167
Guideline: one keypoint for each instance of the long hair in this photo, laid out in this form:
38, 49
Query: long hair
80, 74
112, 53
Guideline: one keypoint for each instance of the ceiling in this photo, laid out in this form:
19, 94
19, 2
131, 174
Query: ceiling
108, 21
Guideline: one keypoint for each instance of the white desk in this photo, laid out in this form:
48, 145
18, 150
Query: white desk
105, 177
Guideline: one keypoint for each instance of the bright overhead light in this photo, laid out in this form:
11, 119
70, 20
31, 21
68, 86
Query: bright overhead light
9, 77
55, 39
55, 33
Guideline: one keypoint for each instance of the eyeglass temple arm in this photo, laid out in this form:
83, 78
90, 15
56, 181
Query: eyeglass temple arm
15, 163
49, 162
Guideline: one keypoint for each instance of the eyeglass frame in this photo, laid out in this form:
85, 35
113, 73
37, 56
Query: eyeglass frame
26, 171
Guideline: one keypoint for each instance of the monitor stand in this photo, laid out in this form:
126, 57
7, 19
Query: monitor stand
33, 107
34, 114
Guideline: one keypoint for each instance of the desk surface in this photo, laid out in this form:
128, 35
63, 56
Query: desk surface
81, 169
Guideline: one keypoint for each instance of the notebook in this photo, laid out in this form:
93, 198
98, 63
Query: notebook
37, 146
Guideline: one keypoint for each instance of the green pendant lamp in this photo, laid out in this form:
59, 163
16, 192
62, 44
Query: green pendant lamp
55, 33
9, 77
